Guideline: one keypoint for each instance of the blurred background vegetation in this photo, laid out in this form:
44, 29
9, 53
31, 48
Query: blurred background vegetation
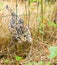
41, 17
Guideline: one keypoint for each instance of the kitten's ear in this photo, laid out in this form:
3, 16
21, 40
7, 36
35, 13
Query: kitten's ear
6, 6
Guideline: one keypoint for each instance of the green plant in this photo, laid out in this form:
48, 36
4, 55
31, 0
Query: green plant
35, 63
41, 31
1, 4
34, 0
18, 58
41, 63
51, 24
31, 63
48, 63
6, 61
53, 52
41, 25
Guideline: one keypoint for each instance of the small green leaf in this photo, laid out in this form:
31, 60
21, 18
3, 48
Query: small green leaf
48, 63
6, 61
53, 51
25, 64
51, 24
41, 63
30, 63
18, 58
32, 1
41, 32
39, 19
42, 25
1, 4
35, 63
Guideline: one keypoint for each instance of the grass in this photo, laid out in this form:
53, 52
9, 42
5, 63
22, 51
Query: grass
41, 43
